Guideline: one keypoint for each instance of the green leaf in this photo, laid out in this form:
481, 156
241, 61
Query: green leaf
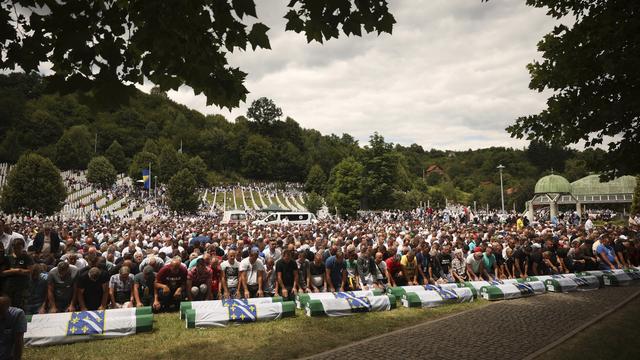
243, 7
258, 36
294, 23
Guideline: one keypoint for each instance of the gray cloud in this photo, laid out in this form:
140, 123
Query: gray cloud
452, 75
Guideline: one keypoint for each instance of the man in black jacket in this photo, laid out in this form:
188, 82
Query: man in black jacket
46, 241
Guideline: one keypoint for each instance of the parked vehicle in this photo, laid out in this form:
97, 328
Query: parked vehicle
303, 218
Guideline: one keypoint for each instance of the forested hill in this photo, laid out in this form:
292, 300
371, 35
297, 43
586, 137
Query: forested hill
262, 146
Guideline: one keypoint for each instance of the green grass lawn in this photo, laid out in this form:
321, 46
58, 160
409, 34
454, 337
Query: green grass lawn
220, 199
280, 339
247, 199
210, 196
613, 337
256, 197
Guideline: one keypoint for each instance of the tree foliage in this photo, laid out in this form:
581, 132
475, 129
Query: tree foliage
168, 163
141, 161
592, 68
101, 172
547, 156
257, 157
264, 112
115, 155
344, 189
182, 192
575, 169
100, 45
313, 202
281, 151
73, 150
33, 184
380, 168
316, 180
198, 169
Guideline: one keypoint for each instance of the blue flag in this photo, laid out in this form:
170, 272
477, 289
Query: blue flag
242, 313
146, 179
359, 304
86, 323
231, 302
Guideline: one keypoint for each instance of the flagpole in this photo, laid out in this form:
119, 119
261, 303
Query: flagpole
149, 178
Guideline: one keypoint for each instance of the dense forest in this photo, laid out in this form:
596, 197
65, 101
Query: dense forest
71, 129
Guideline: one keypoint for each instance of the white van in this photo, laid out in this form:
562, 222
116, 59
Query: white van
302, 218
234, 217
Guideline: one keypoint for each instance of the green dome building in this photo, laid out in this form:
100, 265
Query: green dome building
554, 189
553, 184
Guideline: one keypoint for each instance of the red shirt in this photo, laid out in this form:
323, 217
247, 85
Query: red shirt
215, 276
199, 277
166, 276
393, 266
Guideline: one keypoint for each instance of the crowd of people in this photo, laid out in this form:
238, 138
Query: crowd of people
58, 266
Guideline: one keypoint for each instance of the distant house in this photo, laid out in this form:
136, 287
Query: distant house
435, 168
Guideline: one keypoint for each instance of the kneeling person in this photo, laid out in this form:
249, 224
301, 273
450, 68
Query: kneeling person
121, 289
252, 275
170, 285
199, 282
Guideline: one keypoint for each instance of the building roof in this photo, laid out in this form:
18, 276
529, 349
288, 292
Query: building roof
591, 185
553, 184
435, 167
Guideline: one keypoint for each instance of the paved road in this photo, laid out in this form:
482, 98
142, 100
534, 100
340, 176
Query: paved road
510, 329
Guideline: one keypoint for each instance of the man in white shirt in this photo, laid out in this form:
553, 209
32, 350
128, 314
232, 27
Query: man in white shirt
8, 235
588, 225
251, 274
272, 251
229, 273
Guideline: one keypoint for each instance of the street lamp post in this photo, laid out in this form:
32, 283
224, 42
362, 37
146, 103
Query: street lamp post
500, 167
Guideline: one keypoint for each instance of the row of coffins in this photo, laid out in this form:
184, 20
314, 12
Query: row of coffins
232, 311
438, 295
62, 328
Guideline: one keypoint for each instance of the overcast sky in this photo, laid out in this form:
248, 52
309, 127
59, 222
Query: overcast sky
452, 76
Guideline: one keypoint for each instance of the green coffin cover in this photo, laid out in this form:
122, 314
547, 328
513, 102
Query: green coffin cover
303, 299
473, 289
186, 305
315, 307
413, 300
288, 310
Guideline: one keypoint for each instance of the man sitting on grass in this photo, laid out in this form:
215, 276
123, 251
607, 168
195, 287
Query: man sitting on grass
199, 281
410, 267
93, 290
62, 288
121, 289
170, 285
475, 265
143, 284
252, 273
336, 272
316, 274
395, 274
287, 276
230, 269
14, 325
